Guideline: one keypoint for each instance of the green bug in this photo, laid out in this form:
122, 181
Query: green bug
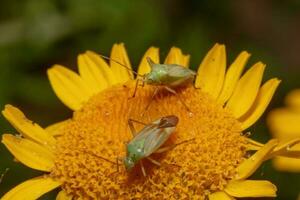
168, 76
147, 141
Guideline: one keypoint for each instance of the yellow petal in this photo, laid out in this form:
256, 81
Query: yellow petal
95, 72
103, 66
290, 148
69, 87
248, 167
175, 56
293, 99
246, 90
119, 54
284, 123
220, 196
253, 145
260, 104
211, 71
26, 127
152, 53
232, 76
62, 195
186, 60
251, 188
56, 129
29, 153
31, 189
293, 153
287, 164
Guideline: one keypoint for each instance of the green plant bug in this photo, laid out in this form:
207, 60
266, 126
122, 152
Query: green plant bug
147, 141
167, 76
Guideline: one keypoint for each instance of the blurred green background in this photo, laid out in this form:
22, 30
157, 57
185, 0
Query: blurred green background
37, 34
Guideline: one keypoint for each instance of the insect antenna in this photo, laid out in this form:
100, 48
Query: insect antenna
97, 156
107, 58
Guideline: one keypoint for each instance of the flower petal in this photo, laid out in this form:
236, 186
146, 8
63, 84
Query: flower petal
95, 72
26, 127
175, 56
246, 90
186, 60
69, 87
287, 149
293, 99
260, 104
119, 54
286, 164
62, 195
284, 123
232, 76
144, 67
220, 196
253, 145
56, 129
248, 167
29, 153
31, 189
211, 71
251, 188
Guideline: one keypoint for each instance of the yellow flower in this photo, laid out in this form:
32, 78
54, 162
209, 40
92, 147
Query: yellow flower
284, 125
216, 164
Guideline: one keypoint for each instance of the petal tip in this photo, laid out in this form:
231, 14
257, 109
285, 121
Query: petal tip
246, 54
52, 69
4, 137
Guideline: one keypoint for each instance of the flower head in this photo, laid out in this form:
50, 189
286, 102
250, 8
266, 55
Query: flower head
284, 125
80, 154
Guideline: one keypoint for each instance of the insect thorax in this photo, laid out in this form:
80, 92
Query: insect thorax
156, 76
135, 152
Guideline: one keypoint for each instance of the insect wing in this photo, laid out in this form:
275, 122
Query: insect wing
154, 135
165, 127
168, 121
173, 70
142, 134
156, 139
177, 75
178, 71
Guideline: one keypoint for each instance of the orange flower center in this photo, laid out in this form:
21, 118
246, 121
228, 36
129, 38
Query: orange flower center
89, 146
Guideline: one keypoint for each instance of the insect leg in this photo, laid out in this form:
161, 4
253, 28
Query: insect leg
151, 99
143, 169
153, 161
117, 161
136, 121
135, 88
167, 148
174, 92
132, 129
